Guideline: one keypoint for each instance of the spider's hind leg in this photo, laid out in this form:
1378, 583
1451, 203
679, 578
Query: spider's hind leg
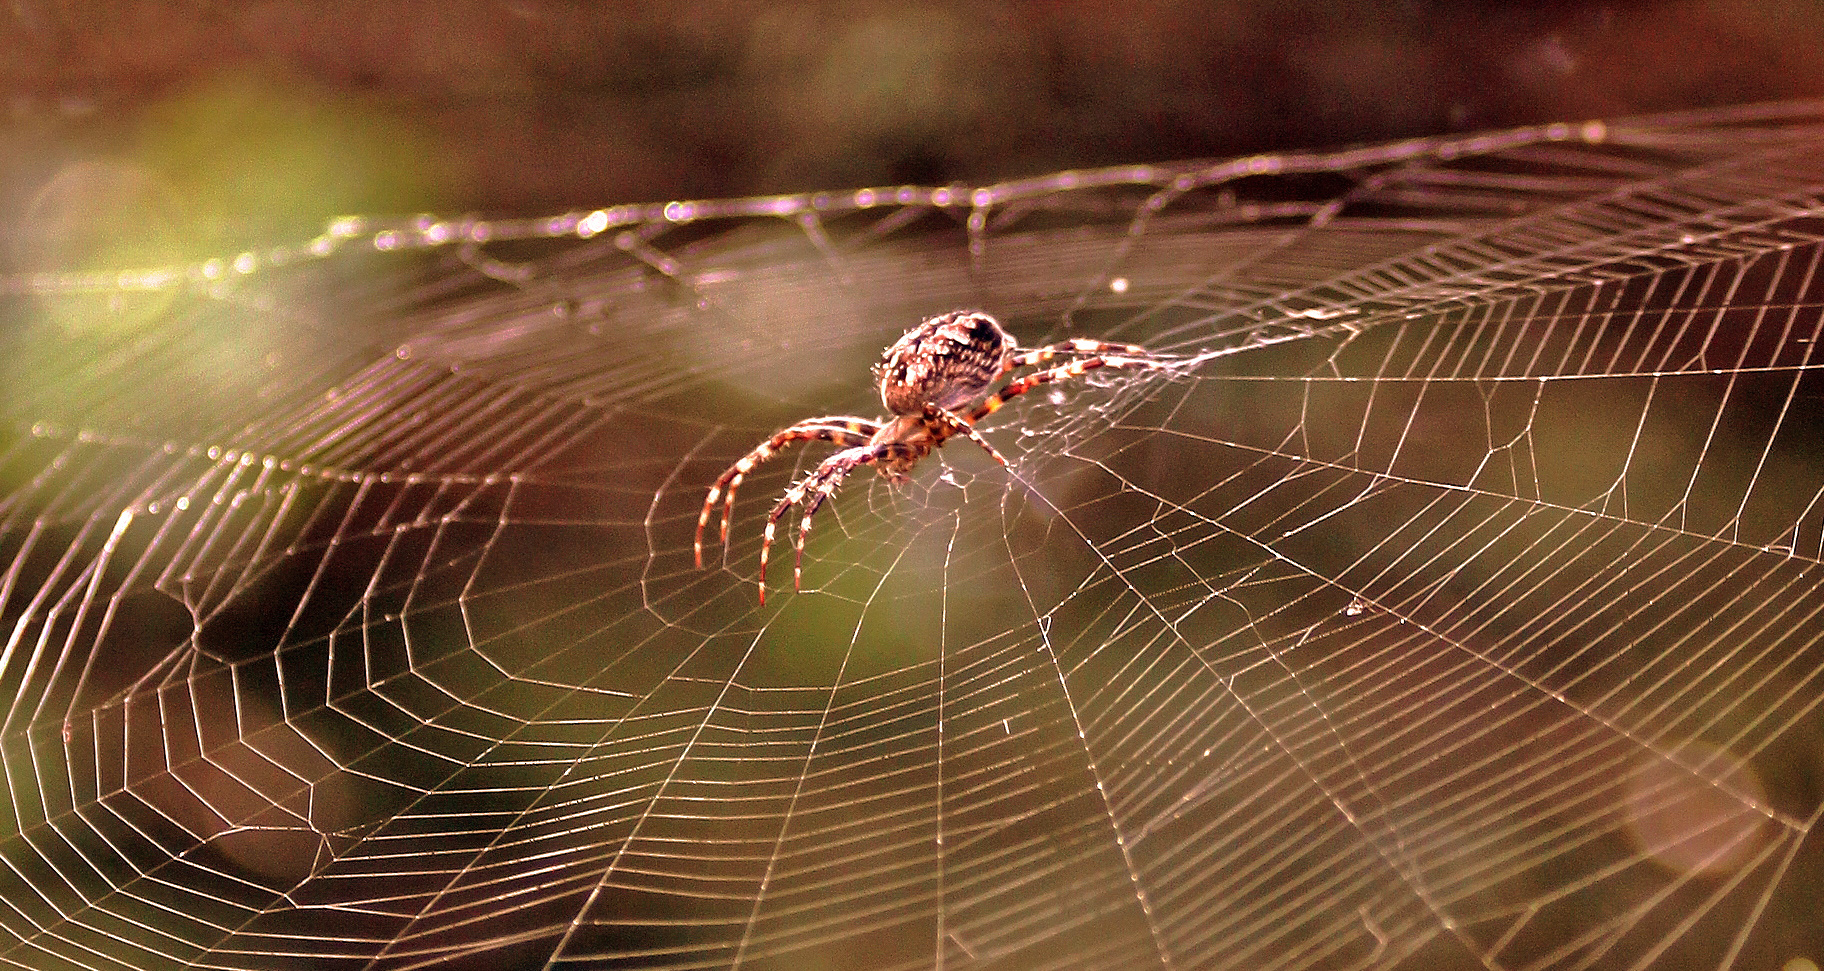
1076, 345
1063, 372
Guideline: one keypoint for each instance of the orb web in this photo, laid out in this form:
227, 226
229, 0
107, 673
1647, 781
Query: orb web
1452, 601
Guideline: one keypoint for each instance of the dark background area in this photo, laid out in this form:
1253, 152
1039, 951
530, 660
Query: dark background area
533, 105
157, 133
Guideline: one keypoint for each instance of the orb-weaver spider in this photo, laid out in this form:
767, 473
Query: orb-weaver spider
927, 377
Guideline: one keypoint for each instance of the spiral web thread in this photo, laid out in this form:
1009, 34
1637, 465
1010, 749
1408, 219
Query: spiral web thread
1452, 601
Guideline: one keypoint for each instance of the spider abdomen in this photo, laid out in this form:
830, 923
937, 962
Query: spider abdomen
946, 361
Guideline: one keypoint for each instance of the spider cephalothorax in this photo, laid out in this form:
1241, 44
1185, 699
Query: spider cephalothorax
926, 378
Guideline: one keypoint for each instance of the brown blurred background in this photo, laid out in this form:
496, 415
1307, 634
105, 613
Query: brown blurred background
268, 110
140, 133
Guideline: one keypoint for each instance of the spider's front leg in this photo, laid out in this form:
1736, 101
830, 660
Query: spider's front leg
819, 485
938, 418
841, 429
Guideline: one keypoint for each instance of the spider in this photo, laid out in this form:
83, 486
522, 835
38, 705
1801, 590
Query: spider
927, 377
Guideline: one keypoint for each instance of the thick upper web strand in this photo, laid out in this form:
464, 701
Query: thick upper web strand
1450, 596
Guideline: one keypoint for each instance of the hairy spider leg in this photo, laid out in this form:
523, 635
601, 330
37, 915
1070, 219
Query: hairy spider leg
843, 430
1020, 386
957, 423
1076, 345
814, 488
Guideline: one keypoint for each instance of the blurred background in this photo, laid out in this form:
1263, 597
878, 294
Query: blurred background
137, 133
206, 115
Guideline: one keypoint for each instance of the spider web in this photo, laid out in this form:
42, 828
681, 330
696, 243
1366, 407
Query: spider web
1452, 601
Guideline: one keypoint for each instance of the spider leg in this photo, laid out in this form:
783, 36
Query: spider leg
813, 489
841, 429
1020, 386
1076, 345
958, 424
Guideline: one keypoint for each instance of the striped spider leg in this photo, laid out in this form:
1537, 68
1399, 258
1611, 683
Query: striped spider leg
814, 488
1105, 355
841, 429
893, 450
